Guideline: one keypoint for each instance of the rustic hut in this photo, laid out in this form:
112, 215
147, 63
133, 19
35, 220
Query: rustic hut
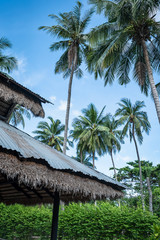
32, 172
12, 93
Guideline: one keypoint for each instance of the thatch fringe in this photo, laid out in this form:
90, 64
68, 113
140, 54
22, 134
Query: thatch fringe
38, 176
15, 97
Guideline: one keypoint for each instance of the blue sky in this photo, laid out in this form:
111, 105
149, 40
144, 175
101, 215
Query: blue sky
19, 22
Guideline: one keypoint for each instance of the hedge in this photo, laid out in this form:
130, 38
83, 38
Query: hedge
77, 222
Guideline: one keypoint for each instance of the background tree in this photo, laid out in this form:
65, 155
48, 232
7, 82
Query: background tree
92, 137
84, 158
130, 176
129, 40
75, 135
70, 29
113, 143
134, 121
50, 133
17, 116
7, 63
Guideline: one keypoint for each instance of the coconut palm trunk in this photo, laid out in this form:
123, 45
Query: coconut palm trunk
150, 195
93, 159
140, 169
115, 174
81, 156
114, 168
69, 102
151, 80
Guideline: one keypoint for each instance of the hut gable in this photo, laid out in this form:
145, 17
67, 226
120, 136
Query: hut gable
12, 93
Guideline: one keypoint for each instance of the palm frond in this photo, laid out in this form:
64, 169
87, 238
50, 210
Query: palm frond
59, 45
7, 63
4, 43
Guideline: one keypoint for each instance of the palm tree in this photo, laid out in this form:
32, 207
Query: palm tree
113, 143
158, 88
84, 158
71, 31
135, 121
7, 63
129, 40
75, 134
50, 133
92, 131
17, 116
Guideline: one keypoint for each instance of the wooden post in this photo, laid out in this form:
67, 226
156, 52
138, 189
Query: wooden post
55, 216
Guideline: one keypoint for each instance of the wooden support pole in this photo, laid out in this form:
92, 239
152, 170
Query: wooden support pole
55, 216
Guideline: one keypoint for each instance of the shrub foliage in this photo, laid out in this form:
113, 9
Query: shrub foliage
77, 221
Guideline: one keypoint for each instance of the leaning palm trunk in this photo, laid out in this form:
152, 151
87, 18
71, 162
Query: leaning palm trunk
115, 175
69, 102
150, 195
81, 156
93, 159
114, 168
151, 80
140, 169
67, 111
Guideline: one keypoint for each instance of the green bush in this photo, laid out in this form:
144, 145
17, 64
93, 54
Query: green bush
21, 223
105, 222
156, 232
77, 222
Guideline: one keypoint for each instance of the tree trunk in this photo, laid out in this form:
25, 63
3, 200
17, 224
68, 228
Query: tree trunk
115, 174
140, 169
93, 159
81, 156
150, 195
68, 104
151, 80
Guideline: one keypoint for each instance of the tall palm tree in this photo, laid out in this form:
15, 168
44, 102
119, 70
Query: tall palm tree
17, 116
70, 29
50, 133
7, 63
129, 40
84, 158
135, 122
158, 88
92, 138
75, 135
113, 143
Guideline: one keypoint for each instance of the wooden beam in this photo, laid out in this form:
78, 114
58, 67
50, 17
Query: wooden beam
1, 198
20, 190
3, 118
35, 192
49, 193
55, 216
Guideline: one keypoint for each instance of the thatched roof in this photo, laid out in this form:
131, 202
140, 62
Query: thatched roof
12, 93
30, 172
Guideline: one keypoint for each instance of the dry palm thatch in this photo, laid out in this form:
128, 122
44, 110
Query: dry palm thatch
11, 96
38, 176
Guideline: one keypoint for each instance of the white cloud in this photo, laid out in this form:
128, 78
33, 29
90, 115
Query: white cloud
22, 65
26, 78
63, 105
33, 79
76, 113
125, 158
144, 158
53, 98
